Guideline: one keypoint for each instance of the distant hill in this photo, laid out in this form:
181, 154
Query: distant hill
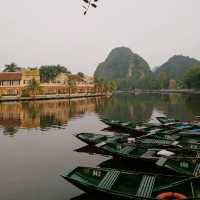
130, 70
122, 63
177, 66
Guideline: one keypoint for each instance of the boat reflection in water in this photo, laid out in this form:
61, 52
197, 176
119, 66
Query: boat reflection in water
86, 196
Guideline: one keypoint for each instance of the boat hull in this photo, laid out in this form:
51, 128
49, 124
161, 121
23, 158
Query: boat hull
102, 193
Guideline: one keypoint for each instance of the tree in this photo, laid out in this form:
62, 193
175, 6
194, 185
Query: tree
172, 84
72, 85
149, 82
33, 88
113, 85
81, 74
192, 78
12, 67
49, 72
88, 4
164, 80
99, 84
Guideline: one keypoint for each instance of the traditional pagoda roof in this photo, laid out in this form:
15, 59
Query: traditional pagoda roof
10, 76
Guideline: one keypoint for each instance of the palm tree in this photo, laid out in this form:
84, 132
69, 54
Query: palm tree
71, 84
99, 83
113, 85
33, 87
12, 67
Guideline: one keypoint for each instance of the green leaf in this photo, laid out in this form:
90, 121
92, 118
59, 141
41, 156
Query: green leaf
86, 1
94, 5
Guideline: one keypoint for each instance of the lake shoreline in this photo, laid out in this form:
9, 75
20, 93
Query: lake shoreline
163, 91
51, 97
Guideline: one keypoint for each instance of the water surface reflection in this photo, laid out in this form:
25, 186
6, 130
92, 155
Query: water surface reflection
57, 113
43, 114
43, 144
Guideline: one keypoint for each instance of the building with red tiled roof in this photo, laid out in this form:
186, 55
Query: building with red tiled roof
10, 78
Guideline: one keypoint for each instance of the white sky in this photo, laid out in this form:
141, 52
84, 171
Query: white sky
36, 32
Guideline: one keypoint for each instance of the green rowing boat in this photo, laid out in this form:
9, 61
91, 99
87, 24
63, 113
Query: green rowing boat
125, 125
166, 120
147, 142
129, 185
93, 139
134, 152
130, 127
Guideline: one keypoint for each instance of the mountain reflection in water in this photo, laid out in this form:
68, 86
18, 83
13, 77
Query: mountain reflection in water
44, 143
57, 113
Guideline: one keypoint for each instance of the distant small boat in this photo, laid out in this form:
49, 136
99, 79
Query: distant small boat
173, 123
182, 144
165, 120
125, 125
184, 137
130, 127
147, 142
129, 185
134, 152
93, 138
146, 150
193, 132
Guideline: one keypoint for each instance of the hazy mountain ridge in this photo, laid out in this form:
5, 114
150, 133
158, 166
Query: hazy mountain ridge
122, 63
130, 71
177, 66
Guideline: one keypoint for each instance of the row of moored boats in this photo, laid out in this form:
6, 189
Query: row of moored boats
171, 148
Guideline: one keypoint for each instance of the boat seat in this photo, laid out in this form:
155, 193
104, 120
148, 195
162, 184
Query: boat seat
126, 123
109, 140
172, 137
194, 146
113, 139
148, 153
146, 186
109, 179
184, 164
197, 169
127, 149
98, 137
198, 155
100, 144
157, 141
161, 161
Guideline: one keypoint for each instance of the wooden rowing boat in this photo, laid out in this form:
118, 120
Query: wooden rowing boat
129, 185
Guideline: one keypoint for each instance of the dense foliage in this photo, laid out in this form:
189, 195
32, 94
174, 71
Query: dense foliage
192, 78
88, 4
177, 66
49, 72
32, 89
12, 67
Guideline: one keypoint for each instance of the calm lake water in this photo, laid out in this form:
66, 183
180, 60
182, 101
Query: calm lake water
37, 142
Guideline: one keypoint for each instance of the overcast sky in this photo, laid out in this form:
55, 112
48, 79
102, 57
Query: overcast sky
36, 32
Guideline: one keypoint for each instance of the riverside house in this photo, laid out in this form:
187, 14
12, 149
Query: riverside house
13, 83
